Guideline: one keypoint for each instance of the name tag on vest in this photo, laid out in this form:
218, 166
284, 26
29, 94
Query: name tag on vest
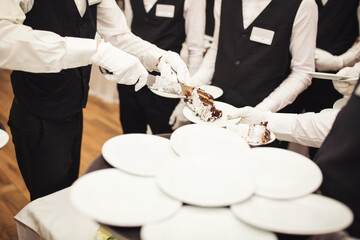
165, 10
92, 2
262, 35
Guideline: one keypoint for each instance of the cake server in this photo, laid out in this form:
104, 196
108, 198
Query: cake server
151, 79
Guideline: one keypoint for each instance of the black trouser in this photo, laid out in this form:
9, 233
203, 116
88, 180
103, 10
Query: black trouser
137, 109
47, 151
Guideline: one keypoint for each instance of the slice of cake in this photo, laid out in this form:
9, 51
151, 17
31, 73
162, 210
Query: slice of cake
252, 133
164, 85
202, 103
258, 133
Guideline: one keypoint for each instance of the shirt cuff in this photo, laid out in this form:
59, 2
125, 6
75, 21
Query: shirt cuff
78, 52
282, 124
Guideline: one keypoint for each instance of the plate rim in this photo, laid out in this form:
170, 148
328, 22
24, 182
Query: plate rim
72, 195
330, 76
163, 179
189, 210
207, 86
308, 162
186, 128
190, 115
129, 170
298, 232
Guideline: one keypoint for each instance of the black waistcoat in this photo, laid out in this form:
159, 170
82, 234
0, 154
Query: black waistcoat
56, 95
339, 160
166, 33
248, 71
337, 26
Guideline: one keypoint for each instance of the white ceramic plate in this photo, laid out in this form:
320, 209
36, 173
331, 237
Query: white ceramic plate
309, 215
237, 129
203, 223
340, 103
4, 138
203, 140
165, 94
140, 154
215, 91
331, 76
227, 109
272, 138
206, 182
113, 197
281, 173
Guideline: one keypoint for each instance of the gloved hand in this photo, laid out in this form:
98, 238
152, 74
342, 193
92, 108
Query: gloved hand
172, 67
125, 68
325, 61
250, 115
346, 87
194, 81
177, 118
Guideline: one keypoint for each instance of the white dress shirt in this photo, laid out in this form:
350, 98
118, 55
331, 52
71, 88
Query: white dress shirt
44, 51
302, 49
194, 15
308, 129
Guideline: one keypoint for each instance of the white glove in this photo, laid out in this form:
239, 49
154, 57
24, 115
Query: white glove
250, 115
194, 81
172, 67
124, 68
325, 61
346, 87
177, 118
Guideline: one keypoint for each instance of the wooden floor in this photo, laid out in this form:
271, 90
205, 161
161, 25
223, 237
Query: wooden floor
101, 122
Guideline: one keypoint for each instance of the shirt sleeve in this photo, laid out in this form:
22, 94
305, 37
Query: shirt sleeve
112, 27
352, 55
302, 49
195, 17
36, 51
308, 129
128, 12
206, 71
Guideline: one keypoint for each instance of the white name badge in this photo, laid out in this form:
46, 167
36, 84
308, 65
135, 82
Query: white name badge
92, 2
165, 10
262, 35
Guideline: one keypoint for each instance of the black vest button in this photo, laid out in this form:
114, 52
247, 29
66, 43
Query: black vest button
244, 35
237, 62
146, 19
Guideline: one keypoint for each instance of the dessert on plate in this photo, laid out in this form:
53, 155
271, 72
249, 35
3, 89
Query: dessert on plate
252, 133
202, 103
164, 85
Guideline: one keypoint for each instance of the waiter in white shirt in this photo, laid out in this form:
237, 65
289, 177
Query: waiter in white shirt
50, 46
309, 129
335, 132
167, 24
260, 51
338, 30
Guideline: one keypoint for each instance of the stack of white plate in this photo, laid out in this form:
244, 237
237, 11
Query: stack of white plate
231, 191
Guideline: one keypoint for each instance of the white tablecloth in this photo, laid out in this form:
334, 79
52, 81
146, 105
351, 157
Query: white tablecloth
54, 218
